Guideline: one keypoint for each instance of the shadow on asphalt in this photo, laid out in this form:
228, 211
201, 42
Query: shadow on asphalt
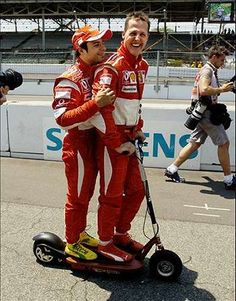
217, 188
141, 287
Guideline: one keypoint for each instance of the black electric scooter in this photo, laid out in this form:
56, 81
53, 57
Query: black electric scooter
164, 264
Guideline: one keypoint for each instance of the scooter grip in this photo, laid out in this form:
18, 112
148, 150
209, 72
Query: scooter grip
151, 212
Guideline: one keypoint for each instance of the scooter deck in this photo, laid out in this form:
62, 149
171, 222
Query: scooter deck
105, 266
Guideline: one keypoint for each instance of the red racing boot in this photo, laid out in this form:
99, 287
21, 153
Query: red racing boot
125, 240
112, 252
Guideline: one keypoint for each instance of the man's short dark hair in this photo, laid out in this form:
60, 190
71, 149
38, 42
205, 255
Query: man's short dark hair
217, 51
137, 15
83, 46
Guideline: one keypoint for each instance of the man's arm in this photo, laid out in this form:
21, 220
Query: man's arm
206, 89
106, 76
67, 112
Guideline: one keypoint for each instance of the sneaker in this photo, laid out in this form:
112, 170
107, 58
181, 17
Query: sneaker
232, 185
112, 252
174, 176
79, 251
125, 240
88, 240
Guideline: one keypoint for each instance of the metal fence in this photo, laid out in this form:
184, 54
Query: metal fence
183, 59
154, 58
55, 57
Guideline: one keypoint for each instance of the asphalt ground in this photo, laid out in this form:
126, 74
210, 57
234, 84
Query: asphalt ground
196, 221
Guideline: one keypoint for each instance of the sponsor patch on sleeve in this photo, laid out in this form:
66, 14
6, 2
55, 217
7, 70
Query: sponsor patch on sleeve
61, 103
105, 79
66, 94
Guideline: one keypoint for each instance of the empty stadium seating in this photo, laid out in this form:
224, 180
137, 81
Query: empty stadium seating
28, 46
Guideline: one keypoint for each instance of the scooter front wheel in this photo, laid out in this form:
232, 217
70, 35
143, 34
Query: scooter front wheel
165, 265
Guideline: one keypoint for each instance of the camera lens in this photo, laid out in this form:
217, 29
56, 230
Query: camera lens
11, 78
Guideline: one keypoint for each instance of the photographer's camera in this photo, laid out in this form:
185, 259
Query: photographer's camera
10, 78
196, 111
192, 106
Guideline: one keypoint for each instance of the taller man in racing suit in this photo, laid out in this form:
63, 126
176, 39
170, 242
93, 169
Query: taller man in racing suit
73, 105
121, 187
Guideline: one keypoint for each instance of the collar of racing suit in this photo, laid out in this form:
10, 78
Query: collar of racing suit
128, 56
83, 66
88, 70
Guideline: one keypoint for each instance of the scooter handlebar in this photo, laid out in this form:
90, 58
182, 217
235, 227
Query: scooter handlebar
138, 144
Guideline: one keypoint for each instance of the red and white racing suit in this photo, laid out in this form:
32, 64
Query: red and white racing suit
72, 106
121, 187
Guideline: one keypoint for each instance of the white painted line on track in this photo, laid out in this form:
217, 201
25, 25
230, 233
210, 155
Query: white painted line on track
207, 207
209, 215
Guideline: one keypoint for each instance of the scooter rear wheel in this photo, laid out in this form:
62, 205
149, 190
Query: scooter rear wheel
48, 248
44, 254
165, 265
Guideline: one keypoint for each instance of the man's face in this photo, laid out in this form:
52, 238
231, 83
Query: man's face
136, 36
218, 61
95, 53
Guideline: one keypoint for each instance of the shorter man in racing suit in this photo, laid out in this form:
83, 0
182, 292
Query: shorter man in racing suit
121, 186
73, 105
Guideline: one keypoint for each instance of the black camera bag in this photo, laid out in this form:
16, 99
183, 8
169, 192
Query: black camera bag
219, 115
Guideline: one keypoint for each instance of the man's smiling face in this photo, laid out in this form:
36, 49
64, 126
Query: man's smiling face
136, 36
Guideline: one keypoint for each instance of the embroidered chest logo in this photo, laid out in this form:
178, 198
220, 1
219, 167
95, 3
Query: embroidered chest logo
129, 82
129, 77
85, 85
141, 76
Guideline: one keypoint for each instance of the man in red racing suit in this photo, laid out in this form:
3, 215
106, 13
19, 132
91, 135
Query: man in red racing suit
72, 106
121, 187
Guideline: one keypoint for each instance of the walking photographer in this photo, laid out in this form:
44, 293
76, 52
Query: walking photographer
208, 118
9, 80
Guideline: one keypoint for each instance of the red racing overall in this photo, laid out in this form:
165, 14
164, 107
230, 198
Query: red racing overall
121, 187
72, 106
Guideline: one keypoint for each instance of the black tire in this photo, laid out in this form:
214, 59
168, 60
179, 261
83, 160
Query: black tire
48, 248
165, 265
44, 254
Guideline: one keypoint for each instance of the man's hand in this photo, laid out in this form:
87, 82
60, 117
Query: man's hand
3, 91
126, 148
140, 136
227, 87
104, 97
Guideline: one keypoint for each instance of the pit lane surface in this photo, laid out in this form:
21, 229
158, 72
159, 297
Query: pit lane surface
196, 221
202, 198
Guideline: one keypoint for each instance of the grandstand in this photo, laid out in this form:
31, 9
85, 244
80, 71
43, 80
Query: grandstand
47, 45
177, 10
